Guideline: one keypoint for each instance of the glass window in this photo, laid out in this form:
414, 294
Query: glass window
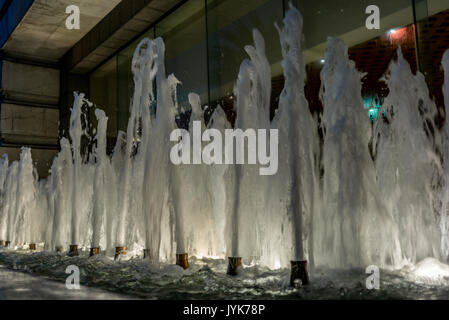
103, 92
184, 34
433, 40
205, 42
346, 19
230, 25
372, 50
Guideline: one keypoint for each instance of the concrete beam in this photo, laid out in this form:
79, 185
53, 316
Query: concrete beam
23, 124
30, 84
32, 61
42, 33
123, 24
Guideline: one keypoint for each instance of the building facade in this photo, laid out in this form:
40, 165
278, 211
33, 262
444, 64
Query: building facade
42, 62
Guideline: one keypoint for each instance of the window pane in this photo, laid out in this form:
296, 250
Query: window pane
230, 25
372, 50
433, 40
184, 34
346, 19
103, 92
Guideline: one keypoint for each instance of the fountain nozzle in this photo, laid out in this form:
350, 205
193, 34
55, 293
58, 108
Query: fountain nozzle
233, 264
94, 251
32, 246
73, 250
146, 253
182, 260
119, 251
299, 271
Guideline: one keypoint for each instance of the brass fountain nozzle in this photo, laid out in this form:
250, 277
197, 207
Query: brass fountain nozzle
94, 251
233, 264
299, 271
73, 250
182, 260
119, 251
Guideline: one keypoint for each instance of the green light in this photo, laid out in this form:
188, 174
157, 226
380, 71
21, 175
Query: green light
373, 114
373, 104
367, 102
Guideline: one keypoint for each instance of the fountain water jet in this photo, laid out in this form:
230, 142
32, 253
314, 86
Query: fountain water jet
75, 132
296, 126
158, 167
99, 204
252, 92
411, 228
3, 208
61, 177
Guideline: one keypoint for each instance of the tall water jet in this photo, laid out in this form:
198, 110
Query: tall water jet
117, 161
347, 228
62, 185
219, 184
157, 170
48, 226
174, 200
9, 201
24, 198
4, 163
41, 218
298, 136
76, 132
409, 189
252, 92
144, 70
445, 195
100, 183
190, 193
46, 213
125, 176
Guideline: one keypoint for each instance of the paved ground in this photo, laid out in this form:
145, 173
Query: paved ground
16, 285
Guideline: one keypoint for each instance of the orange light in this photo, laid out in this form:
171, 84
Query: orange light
396, 34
